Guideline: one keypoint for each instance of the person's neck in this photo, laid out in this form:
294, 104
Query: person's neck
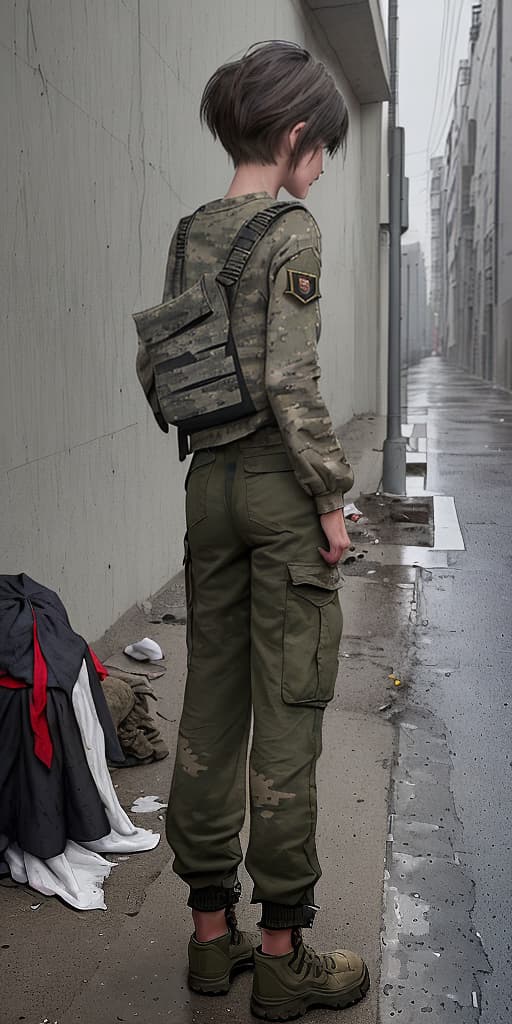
255, 178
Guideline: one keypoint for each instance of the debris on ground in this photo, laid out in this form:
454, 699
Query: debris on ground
147, 804
127, 699
353, 513
144, 650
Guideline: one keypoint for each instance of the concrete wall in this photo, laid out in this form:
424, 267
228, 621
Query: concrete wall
504, 268
457, 228
99, 104
481, 104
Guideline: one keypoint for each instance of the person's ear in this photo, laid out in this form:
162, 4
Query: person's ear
293, 135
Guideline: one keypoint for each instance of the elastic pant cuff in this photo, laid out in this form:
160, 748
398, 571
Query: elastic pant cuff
214, 897
276, 916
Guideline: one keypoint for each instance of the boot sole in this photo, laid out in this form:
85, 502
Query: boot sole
218, 986
294, 1008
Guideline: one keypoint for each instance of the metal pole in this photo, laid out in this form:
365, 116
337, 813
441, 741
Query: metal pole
394, 461
408, 316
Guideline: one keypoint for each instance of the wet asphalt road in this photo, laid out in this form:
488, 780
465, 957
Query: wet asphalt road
451, 869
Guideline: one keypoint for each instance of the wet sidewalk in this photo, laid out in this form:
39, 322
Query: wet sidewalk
130, 962
418, 727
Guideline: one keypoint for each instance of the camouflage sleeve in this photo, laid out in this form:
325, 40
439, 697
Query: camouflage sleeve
143, 364
292, 374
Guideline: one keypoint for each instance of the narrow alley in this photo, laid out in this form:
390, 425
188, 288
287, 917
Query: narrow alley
310, 426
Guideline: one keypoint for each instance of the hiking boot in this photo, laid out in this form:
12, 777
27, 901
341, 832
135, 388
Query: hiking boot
287, 986
212, 964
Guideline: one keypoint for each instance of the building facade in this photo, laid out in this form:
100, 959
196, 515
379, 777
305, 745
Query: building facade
475, 306
436, 252
415, 336
105, 153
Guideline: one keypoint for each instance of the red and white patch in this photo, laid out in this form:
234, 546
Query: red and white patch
302, 286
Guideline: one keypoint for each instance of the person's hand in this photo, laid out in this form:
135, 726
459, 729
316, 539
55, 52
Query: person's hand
333, 525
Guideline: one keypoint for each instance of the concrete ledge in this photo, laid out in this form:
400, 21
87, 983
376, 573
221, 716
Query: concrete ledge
355, 31
362, 438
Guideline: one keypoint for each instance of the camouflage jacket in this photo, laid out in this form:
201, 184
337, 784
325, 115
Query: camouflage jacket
276, 324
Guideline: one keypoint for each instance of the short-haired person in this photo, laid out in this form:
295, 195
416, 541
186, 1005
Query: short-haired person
265, 531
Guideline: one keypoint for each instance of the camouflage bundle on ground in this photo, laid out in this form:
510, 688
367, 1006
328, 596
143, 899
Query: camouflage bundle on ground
127, 699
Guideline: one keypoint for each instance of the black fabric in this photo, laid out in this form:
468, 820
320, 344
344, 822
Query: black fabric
276, 916
41, 808
215, 897
113, 749
63, 649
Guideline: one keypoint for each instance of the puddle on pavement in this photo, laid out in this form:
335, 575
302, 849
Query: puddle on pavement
394, 554
383, 541
395, 520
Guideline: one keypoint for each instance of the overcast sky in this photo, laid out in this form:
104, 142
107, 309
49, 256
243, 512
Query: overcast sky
434, 37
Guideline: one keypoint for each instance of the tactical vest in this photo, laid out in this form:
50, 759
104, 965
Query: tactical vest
199, 380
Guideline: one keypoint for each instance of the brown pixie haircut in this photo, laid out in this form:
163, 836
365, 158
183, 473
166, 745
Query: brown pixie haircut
252, 103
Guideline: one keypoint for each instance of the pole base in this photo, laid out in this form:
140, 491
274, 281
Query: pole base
394, 466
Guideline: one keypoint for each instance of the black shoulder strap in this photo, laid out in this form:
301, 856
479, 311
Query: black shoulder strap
251, 232
247, 238
179, 261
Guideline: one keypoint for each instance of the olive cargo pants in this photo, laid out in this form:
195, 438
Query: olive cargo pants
263, 633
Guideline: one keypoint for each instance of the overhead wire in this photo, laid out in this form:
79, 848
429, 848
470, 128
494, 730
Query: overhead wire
449, 91
442, 43
444, 92
440, 64
447, 69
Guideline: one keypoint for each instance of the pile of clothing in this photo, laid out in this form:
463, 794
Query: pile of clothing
58, 807
127, 698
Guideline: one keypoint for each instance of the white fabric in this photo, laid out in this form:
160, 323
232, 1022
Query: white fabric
144, 650
124, 836
77, 874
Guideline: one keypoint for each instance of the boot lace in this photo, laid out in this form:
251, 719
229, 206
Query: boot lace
232, 923
307, 960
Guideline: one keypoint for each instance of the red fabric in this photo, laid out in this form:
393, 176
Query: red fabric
43, 748
10, 683
100, 669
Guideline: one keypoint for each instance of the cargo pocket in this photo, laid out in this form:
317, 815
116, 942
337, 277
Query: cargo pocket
196, 484
312, 633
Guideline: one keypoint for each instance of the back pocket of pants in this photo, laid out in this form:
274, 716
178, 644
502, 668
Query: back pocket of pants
313, 625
